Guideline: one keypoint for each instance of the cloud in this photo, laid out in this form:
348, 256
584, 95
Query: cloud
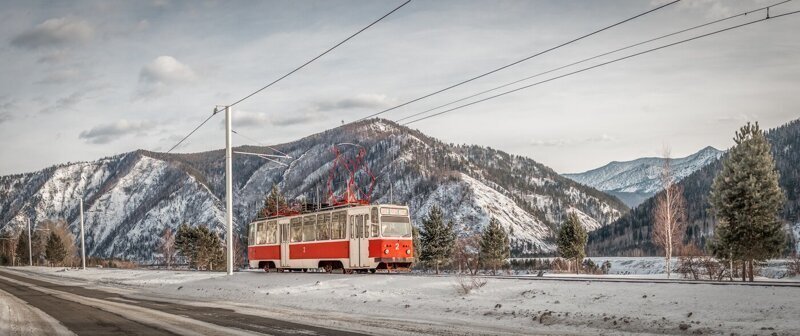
359, 101
64, 103
569, 142
56, 32
247, 119
57, 56
162, 74
105, 133
5, 111
712, 8
60, 76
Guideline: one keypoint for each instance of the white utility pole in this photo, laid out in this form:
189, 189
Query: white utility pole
229, 187
30, 249
83, 246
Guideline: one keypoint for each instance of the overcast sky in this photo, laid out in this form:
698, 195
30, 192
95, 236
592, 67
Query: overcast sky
87, 79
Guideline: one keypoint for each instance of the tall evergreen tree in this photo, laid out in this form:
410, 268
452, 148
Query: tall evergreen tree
572, 239
437, 239
274, 201
55, 251
495, 247
747, 199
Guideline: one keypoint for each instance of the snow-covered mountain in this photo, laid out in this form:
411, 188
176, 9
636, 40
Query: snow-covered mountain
130, 198
636, 180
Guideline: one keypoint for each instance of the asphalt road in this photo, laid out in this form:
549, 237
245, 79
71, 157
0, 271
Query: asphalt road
84, 319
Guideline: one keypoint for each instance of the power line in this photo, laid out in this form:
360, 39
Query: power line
591, 58
194, 130
320, 55
216, 110
518, 61
601, 64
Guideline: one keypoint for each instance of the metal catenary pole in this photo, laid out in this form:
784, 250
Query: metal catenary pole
83, 246
229, 188
30, 249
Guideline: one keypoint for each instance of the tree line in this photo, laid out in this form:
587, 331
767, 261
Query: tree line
438, 246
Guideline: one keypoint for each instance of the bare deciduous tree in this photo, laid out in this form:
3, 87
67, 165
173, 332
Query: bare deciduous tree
467, 254
669, 214
167, 247
61, 229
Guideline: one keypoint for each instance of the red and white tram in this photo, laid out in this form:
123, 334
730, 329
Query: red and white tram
350, 237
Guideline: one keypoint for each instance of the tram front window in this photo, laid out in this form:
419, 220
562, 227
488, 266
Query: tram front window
395, 226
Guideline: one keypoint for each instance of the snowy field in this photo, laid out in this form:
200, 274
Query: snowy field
418, 304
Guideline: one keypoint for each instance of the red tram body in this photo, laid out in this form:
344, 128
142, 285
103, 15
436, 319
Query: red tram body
350, 238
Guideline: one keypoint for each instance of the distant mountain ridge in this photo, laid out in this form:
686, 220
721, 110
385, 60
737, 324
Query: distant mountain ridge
636, 180
130, 198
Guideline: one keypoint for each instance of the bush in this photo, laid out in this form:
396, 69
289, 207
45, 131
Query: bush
466, 284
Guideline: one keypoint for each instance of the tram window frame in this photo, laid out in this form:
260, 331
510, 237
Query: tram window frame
309, 228
296, 228
339, 221
375, 229
284, 228
374, 214
261, 233
251, 235
324, 226
272, 232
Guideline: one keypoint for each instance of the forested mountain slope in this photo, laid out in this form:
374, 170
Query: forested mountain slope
132, 197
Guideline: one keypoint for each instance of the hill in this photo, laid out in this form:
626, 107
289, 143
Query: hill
133, 196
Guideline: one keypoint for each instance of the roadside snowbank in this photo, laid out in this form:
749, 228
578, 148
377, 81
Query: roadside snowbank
17, 318
432, 305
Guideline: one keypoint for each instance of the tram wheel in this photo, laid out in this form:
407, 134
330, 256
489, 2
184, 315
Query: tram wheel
348, 271
328, 268
372, 270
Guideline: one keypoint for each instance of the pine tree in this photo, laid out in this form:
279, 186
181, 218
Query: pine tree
437, 239
572, 239
21, 252
746, 198
55, 252
274, 201
495, 247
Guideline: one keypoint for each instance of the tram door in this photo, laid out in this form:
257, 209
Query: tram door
284, 244
359, 244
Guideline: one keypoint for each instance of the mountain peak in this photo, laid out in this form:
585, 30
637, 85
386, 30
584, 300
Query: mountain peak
635, 180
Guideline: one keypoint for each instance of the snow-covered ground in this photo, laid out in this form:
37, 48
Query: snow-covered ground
417, 304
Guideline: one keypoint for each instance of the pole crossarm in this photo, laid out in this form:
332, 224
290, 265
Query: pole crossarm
266, 157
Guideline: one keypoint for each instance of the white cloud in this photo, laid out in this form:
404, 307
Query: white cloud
105, 133
163, 74
56, 32
247, 119
358, 101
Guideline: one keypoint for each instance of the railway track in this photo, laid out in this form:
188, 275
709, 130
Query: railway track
616, 279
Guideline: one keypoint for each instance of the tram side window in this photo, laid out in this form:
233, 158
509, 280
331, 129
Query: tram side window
261, 234
374, 214
374, 228
272, 232
251, 237
324, 227
308, 228
338, 222
297, 229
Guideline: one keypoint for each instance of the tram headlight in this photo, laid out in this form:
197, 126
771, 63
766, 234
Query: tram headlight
408, 252
386, 251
